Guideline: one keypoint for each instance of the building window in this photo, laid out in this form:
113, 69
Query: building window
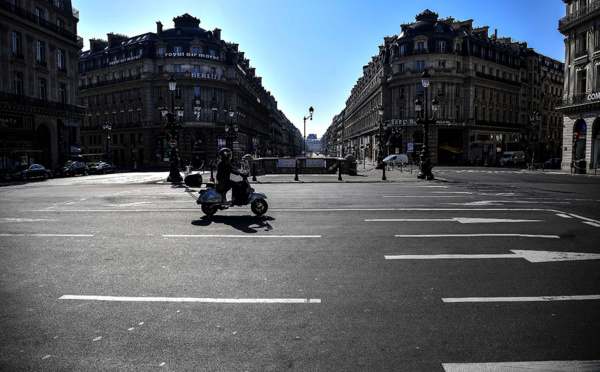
177, 49
441, 46
178, 92
442, 64
212, 52
62, 92
42, 89
196, 50
420, 65
18, 83
421, 46
402, 49
581, 81
17, 45
60, 59
40, 14
177, 68
161, 51
41, 52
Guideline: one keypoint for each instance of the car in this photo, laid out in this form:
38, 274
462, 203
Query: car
25, 172
396, 159
73, 168
101, 167
512, 157
548, 163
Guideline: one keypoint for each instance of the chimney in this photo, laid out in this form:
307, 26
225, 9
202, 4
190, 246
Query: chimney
217, 33
159, 27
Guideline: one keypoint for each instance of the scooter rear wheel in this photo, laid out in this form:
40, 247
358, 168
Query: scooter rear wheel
259, 207
210, 209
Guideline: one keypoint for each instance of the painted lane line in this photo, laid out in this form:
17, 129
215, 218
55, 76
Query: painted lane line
592, 223
453, 219
244, 236
53, 235
522, 299
531, 256
421, 196
196, 300
563, 215
479, 236
310, 210
555, 365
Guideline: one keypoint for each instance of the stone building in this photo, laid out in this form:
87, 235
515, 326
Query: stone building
494, 94
39, 117
580, 103
124, 85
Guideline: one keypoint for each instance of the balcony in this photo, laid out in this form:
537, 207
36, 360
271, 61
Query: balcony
579, 16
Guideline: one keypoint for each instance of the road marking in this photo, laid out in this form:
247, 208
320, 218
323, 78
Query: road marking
563, 215
244, 236
421, 196
531, 256
197, 300
453, 219
592, 223
479, 236
4, 220
559, 365
52, 235
522, 299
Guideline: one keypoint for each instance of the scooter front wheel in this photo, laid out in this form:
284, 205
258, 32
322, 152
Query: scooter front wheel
259, 207
210, 209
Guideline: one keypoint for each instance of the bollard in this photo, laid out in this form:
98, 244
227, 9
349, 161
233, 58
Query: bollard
253, 172
296, 170
339, 171
383, 177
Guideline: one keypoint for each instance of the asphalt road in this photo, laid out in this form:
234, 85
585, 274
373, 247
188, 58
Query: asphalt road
119, 273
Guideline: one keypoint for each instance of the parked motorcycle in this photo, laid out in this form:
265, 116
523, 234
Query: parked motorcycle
212, 201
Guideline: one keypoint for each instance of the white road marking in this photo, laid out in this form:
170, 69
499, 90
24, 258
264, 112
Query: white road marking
197, 300
245, 236
592, 223
453, 219
478, 236
421, 196
531, 256
547, 366
4, 220
52, 235
563, 215
522, 299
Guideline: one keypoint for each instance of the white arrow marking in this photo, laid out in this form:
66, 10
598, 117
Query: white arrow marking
550, 366
531, 256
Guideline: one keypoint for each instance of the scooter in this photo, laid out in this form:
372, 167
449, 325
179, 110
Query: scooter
212, 201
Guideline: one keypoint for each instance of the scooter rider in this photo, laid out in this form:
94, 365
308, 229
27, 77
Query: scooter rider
224, 170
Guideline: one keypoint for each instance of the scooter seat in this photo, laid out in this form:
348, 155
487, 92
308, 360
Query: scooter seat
210, 184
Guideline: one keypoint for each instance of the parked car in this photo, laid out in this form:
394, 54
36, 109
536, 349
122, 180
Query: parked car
101, 167
396, 159
548, 163
512, 157
25, 172
73, 168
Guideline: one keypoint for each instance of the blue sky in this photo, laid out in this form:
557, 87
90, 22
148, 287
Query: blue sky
311, 52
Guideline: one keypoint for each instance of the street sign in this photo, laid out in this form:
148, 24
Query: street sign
410, 147
172, 143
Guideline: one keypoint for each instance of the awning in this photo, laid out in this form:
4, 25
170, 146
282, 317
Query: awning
69, 123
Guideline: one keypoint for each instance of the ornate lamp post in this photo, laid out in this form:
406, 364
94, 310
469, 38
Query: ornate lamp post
107, 127
310, 110
231, 130
534, 119
173, 125
425, 171
382, 129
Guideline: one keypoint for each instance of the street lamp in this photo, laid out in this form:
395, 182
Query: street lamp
107, 127
380, 135
231, 130
425, 171
310, 110
173, 126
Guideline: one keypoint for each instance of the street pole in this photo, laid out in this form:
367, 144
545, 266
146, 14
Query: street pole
107, 127
425, 169
173, 126
310, 110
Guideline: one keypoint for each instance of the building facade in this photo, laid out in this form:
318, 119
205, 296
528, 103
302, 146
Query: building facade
39, 115
124, 86
580, 103
494, 94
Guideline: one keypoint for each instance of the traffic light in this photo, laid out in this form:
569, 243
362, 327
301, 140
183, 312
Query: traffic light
575, 138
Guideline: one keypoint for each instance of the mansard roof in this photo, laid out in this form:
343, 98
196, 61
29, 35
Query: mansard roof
426, 22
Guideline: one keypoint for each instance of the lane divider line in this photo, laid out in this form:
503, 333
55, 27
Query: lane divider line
195, 300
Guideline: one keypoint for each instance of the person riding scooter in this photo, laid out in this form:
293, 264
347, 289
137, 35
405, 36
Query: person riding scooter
224, 170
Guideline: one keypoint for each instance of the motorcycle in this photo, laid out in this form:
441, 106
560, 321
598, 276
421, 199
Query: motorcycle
211, 200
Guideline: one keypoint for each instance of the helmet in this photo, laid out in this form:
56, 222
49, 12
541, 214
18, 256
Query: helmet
225, 153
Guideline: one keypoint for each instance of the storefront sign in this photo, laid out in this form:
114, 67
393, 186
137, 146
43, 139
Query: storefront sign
123, 60
403, 122
191, 55
202, 75
593, 96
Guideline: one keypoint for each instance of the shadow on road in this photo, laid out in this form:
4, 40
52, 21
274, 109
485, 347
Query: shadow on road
246, 224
